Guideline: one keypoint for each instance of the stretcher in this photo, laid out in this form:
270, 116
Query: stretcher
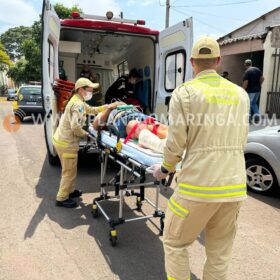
130, 180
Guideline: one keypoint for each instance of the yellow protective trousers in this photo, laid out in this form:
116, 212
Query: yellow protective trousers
69, 160
184, 221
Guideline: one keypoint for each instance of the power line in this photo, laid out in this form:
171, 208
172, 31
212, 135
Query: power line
205, 23
217, 5
217, 16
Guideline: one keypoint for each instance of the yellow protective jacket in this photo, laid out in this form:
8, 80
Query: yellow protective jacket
208, 118
70, 129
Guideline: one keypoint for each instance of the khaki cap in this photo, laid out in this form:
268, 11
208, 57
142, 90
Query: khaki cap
84, 82
206, 42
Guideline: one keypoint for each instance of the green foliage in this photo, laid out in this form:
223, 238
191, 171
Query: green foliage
13, 38
29, 68
24, 43
64, 12
5, 61
18, 71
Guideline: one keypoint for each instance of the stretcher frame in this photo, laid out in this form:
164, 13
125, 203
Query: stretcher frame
124, 183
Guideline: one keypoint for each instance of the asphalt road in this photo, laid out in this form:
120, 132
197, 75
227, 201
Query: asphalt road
41, 241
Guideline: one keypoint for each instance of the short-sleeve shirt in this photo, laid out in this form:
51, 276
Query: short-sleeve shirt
253, 75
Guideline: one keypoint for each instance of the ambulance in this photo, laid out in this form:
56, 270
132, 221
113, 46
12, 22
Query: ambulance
111, 46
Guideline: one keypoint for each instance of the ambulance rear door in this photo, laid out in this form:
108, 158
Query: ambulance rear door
174, 52
50, 42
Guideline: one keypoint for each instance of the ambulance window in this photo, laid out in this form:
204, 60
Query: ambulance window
51, 62
123, 68
174, 70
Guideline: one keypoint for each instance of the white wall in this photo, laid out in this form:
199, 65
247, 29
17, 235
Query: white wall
141, 57
69, 67
267, 72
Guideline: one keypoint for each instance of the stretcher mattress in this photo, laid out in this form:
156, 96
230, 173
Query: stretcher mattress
130, 149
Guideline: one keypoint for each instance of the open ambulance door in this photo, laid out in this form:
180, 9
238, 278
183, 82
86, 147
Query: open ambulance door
175, 45
50, 41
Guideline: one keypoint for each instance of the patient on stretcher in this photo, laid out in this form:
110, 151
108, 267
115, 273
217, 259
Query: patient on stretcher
133, 124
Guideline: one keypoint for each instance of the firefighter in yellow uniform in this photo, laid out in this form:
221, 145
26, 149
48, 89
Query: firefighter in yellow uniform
67, 138
208, 119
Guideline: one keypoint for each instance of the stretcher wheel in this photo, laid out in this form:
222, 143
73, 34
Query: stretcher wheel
113, 237
138, 203
161, 225
94, 211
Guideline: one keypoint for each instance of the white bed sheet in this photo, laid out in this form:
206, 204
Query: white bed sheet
132, 150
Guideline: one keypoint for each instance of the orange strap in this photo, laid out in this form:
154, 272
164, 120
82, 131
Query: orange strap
129, 135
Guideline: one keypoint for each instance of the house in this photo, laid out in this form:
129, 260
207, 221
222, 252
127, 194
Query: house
258, 40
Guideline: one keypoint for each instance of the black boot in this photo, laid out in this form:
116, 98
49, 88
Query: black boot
68, 203
75, 193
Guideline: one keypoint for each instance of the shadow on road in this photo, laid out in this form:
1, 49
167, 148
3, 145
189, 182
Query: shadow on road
272, 200
139, 253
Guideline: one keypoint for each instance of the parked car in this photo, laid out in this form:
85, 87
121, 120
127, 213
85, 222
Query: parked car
11, 94
29, 101
262, 155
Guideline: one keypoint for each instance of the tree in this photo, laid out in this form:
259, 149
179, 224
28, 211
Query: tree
18, 71
13, 38
5, 61
25, 43
64, 12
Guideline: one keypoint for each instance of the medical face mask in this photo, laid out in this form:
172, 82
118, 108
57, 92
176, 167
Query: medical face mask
88, 96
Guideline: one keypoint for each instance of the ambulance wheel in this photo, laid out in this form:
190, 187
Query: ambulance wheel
113, 237
161, 225
94, 211
54, 161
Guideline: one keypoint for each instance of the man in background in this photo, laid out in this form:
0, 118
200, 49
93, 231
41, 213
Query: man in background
252, 81
225, 75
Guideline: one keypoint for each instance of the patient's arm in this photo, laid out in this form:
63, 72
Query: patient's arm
101, 119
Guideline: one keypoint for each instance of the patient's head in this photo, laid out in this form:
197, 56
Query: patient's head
131, 124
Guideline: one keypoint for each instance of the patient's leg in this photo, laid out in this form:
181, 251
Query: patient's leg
149, 140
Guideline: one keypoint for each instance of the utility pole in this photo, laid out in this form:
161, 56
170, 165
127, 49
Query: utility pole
167, 13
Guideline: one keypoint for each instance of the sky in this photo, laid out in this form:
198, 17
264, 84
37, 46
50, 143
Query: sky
211, 17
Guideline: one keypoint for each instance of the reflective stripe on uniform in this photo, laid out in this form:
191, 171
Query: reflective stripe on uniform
222, 191
177, 209
224, 93
167, 165
60, 143
69, 155
172, 278
102, 108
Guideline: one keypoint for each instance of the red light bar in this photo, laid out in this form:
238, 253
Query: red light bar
75, 15
141, 22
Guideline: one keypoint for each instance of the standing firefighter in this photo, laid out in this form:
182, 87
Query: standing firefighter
208, 120
67, 138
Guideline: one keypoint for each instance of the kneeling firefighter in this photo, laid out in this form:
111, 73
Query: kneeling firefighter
67, 138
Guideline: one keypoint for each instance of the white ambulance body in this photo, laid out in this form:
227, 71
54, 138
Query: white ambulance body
111, 47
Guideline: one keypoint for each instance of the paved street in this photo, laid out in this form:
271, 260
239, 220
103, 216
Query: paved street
40, 241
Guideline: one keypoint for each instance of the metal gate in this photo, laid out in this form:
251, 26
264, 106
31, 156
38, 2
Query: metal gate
273, 96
